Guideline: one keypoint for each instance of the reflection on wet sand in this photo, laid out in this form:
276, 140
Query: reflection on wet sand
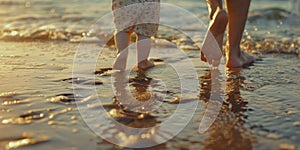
135, 114
142, 113
129, 123
141, 83
228, 131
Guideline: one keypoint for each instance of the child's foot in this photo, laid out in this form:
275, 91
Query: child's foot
145, 64
217, 28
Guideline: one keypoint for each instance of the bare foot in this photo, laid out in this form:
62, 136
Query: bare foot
249, 59
145, 64
239, 60
217, 28
235, 61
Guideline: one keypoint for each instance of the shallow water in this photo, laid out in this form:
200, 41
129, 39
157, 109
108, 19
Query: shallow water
38, 105
260, 109
71, 20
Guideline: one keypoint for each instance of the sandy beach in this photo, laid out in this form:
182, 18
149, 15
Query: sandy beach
38, 110
56, 58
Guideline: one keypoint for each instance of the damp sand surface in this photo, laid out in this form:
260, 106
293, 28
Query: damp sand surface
38, 109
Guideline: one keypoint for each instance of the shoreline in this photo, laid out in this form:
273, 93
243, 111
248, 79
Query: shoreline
36, 101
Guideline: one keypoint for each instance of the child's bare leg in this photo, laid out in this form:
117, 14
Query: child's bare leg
212, 6
143, 50
217, 25
122, 41
237, 12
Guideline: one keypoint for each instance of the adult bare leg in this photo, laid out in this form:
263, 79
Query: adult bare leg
218, 22
237, 15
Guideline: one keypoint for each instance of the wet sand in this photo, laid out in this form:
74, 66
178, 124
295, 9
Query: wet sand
38, 109
38, 106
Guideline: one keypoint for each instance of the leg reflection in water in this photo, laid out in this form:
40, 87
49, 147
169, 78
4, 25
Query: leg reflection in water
228, 131
134, 105
126, 126
135, 94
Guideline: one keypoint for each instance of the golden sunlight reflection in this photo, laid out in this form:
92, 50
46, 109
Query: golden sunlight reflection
228, 131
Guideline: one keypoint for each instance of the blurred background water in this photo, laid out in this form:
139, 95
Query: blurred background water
62, 20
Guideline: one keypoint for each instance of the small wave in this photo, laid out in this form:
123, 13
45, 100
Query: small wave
283, 45
269, 14
272, 45
47, 32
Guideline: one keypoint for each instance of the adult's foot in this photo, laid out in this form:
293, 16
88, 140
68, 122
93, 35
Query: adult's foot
249, 59
239, 59
217, 28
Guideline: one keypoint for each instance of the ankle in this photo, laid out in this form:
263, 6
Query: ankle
233, 46
233, 51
